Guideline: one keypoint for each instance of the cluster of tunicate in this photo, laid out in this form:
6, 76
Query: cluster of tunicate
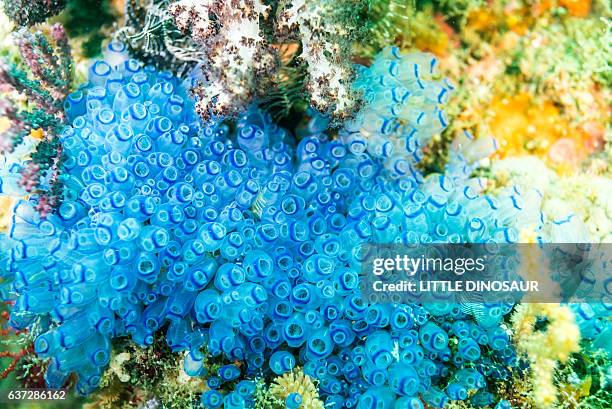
246, 244
404, 98
593, 319
83, 272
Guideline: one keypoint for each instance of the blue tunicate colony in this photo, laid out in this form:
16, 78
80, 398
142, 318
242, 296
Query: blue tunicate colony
244, 242
594, 323
403, 97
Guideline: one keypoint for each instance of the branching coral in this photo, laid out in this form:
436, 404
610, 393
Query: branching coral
28, 13
238, 54
326, 30
45, 83
85, 19
237, 40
